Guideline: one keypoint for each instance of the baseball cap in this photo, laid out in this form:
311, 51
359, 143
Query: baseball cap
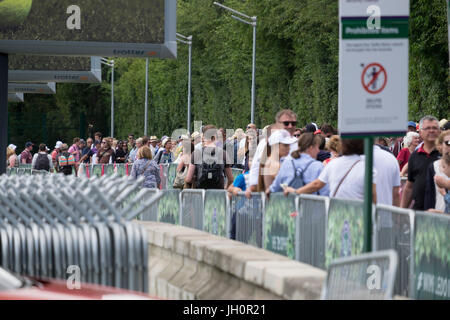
281, 136
58, 145
153, 138
29, 144
82, 141
12, 146
411, 124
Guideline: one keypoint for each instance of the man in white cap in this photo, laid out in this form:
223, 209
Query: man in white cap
285, 119
55, 154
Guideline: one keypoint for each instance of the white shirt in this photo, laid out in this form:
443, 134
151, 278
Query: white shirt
352, 187
254, 170
388, 174
152, 149
241, 160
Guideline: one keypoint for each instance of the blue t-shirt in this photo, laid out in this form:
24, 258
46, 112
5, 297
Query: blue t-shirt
239, 182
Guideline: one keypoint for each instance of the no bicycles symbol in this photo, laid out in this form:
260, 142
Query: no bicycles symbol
374, 78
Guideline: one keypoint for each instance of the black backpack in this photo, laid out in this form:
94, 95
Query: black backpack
42, 162
210, 175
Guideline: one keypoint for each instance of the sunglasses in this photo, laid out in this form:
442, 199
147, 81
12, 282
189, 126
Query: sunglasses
447, 143
292, 123
297, 135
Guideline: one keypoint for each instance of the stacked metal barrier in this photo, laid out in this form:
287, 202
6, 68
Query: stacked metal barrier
49, 223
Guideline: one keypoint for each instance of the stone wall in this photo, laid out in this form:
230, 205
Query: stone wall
186, 264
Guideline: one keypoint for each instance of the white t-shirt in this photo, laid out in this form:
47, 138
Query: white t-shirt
254, 170
352, 187
388, 174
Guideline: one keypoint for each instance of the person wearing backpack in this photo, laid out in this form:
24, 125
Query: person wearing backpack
66, 160
301, 167
209, 164
42, 160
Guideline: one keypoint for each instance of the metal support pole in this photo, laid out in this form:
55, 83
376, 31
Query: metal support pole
448, 22
368, 151
253, 71
189, 87
146, 99
3, 110
112, 102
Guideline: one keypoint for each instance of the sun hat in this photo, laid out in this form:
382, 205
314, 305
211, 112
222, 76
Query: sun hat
195, 135
12, 147
153, 138
281, 136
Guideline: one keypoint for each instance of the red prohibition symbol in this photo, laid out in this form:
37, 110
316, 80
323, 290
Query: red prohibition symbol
374, 78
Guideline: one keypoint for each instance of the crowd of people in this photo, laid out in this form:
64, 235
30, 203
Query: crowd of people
279, 158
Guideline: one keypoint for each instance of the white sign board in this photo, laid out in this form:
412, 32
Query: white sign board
373, 67
59, 69
41, 88
15, 97
119, 28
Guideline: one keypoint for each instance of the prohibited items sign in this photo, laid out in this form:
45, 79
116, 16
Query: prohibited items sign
374, 78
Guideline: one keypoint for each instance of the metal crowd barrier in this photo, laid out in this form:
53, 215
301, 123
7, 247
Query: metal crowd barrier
310, 231
216, 217
165, 208
431, 257
369, 276
249, 217
394, 229
345, 229
53, 222
192, 202
279, 224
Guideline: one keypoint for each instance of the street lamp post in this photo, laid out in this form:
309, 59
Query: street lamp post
188, 41
110, 63
146, 99
252, 22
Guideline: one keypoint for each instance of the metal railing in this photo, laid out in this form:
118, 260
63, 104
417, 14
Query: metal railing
310, 231
192, 202
279, 224
51, 223
394, 229
369, 276
249, 218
